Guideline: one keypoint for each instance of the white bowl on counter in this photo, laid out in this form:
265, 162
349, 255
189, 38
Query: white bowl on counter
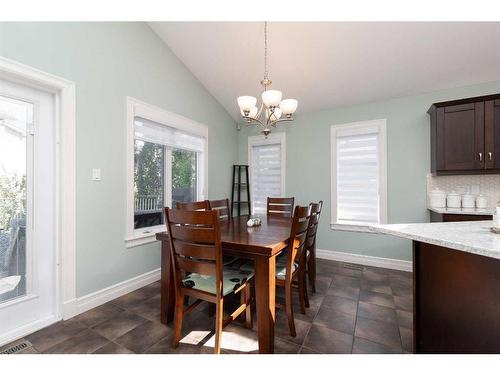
453, 200
481, 201
468, 201
437, 198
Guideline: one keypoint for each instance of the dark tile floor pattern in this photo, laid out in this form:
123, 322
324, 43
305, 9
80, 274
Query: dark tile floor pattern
356, 309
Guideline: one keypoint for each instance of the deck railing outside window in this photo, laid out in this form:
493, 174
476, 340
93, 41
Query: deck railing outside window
147, 203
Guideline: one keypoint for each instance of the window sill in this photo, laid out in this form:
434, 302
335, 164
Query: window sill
363, 228
145, 236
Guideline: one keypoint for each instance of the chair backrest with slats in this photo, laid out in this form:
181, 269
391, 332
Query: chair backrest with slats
313, 224
193, 206
195, 244
280, 207
221, 205
298, 235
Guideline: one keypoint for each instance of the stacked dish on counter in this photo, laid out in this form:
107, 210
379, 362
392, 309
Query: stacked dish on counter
439, 199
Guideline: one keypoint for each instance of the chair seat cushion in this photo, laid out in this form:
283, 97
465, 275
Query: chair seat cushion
232, 280
247, 266
280, 267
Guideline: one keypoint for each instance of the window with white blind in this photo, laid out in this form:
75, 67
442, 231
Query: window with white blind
359, 173
166, 163
266, 157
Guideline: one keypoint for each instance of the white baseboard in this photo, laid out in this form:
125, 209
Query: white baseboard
79, 305
91, 300
6, 337
366, 260
69, 309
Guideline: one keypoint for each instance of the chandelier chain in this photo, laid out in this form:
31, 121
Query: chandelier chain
266, 73
272, 110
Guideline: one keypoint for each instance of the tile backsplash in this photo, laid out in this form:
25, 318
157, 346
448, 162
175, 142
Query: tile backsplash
488, 185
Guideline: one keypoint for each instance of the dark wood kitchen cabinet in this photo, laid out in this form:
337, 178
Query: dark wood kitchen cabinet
492, 133
465, 136
439, 218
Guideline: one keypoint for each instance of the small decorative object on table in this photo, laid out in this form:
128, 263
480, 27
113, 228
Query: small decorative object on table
254, 222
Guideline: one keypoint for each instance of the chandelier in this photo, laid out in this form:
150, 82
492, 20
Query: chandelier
272, 108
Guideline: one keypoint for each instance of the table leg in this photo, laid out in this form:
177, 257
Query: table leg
265, 288
167, 303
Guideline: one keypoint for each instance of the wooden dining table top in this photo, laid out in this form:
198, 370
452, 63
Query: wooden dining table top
267, 239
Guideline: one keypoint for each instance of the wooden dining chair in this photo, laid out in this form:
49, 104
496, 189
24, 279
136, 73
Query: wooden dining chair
291, 266
193, 206
310, 246
280, 207
205, 206
195, 243
223, 206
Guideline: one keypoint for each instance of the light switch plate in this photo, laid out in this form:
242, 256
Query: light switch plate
96, 174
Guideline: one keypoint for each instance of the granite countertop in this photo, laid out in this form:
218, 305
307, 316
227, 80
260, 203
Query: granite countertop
462, 211
470, 236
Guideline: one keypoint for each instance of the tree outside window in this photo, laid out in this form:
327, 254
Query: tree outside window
149, 180
184, 176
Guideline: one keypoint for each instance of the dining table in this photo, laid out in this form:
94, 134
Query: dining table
261, 244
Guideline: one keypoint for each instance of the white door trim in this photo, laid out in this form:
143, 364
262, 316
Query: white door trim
65, 115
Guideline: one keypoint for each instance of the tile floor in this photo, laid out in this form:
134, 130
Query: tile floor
356, 309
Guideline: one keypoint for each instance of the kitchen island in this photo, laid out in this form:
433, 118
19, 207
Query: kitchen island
456, 285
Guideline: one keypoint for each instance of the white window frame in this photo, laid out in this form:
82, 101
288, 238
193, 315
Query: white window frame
380, 125
137, 108
259, 140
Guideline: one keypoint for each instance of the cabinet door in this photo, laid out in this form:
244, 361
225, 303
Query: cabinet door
460, 137
492, 134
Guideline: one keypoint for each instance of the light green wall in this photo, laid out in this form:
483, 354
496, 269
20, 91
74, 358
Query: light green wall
408, 154
109, 61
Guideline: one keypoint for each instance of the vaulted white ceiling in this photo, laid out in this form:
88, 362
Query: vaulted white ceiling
325, 65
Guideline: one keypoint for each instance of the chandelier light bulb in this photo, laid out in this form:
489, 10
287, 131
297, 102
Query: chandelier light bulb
288, 106
271, 98
246, 103
275, 115
252, 113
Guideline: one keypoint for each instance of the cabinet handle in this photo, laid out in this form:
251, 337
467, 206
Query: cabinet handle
489, 155
480, 156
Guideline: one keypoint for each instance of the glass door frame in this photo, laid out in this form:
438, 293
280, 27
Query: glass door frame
31, 291
65, 170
